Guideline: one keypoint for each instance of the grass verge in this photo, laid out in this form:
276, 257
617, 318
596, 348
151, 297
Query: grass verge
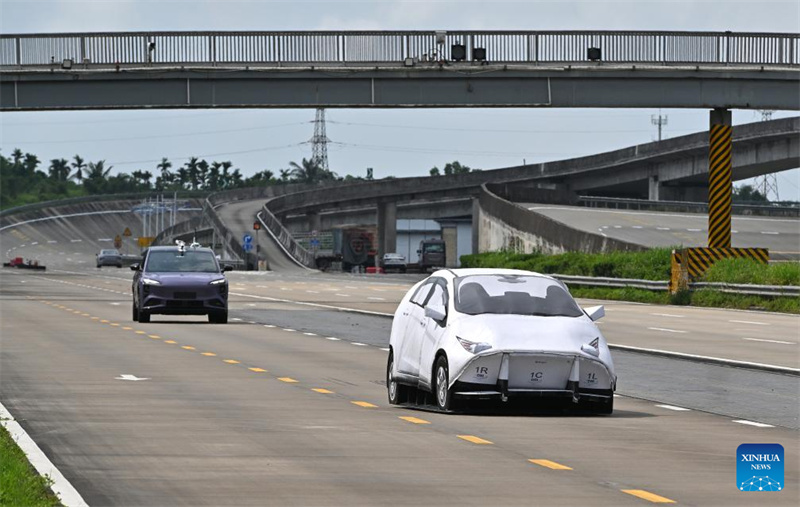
654, 265
19, 483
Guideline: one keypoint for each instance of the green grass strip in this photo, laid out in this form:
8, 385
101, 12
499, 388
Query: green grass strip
20, 485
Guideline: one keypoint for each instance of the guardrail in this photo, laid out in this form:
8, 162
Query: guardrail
685, 206
285, 238
663, 285
337, 47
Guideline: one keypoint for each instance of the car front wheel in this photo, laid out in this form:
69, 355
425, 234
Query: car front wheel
135, 313
441, 384
218, 317
144, 317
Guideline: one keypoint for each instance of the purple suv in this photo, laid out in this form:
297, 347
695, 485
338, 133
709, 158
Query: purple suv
179, 280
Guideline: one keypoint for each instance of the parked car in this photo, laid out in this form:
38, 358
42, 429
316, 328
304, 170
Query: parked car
498, 333
180, 280
110, 257
394, 262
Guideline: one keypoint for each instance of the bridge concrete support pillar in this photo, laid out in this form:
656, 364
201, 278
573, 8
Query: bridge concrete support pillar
450, 237
720, 187
387, 228
476, 225
653, 188
314, 221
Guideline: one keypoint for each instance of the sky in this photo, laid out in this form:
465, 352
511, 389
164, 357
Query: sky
393, 142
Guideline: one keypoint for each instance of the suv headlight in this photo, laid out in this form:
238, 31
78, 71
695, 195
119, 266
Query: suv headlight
473, 347
150, 281
217, 282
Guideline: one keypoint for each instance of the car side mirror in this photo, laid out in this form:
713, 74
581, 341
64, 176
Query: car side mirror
435, 313
419, 252
227, 267
135, 267
595, 312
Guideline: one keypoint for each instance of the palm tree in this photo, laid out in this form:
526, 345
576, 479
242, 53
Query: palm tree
59, 169
202, 168
30, 164
78, 165
166, 176
213, 180
96, 176
225, 179
193, 171
309, 171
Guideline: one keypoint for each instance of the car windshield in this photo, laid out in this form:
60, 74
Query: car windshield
109, 252
172, 261
514, 294
434, 248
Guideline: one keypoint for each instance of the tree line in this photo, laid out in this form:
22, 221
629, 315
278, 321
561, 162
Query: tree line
25, 179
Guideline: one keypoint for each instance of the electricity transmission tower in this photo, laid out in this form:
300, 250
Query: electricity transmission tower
319, 142
768, 183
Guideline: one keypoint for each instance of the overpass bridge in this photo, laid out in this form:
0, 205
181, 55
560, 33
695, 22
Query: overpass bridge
380, 69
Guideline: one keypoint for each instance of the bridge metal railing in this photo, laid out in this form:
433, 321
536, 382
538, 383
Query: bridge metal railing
354, 47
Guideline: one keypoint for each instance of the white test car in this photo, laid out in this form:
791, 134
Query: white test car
498, 333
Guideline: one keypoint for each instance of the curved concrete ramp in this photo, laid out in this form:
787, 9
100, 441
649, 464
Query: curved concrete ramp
239, 216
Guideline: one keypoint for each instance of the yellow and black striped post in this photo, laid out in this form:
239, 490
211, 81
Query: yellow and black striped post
719, 180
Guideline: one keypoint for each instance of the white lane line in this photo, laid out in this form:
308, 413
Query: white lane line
750, 322
756, 424
667, 330
310, 334
636, 226
385, 349
235, 318
75, 240
262, 286
617, 227
34, 243
672, 407
252, 322
343, 295
770, 232
350, 287
377, 299
668, 315
694, 230
104, 239
358, 344
269, 325
68, 495
251, 304
332, 338
52, 241
769, 341
663, 228
289, 330
313, 291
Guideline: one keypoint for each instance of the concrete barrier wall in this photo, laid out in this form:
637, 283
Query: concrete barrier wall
503, 225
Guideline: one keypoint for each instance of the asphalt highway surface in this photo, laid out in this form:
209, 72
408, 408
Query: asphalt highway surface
655, 228
286, 404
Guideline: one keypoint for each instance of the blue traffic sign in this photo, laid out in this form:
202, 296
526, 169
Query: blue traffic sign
247, 239
247, 247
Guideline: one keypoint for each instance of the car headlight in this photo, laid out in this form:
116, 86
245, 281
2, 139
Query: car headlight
473, 347
217, 282
150, 281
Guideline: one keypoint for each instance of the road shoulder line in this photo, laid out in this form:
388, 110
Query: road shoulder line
68, 495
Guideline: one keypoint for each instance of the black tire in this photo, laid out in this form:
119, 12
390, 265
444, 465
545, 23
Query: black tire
135, 313
441, 380
144, 317
98, 266
606, 407
397, 392
218, 317
119, 265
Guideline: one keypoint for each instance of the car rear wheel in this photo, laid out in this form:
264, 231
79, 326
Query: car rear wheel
144, 317
441, 382
398, 393
218, 317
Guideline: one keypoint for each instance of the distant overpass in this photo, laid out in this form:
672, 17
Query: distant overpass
134, 70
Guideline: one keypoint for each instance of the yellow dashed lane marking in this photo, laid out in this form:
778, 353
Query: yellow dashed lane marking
364, 404
140, 332
114, 324
188, 347
257, 370
153, 336
95, 318
415, 420
104, 321
321, 391
210, 354
287, 379
549, 464
474, 439
85, 315
646, 495
230, 361
126, 328
170, 341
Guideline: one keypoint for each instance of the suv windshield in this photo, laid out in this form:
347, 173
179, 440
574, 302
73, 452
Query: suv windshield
172, 261
514, 294
434, 248
109, 252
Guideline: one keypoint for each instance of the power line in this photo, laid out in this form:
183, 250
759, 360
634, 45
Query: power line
204, 155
